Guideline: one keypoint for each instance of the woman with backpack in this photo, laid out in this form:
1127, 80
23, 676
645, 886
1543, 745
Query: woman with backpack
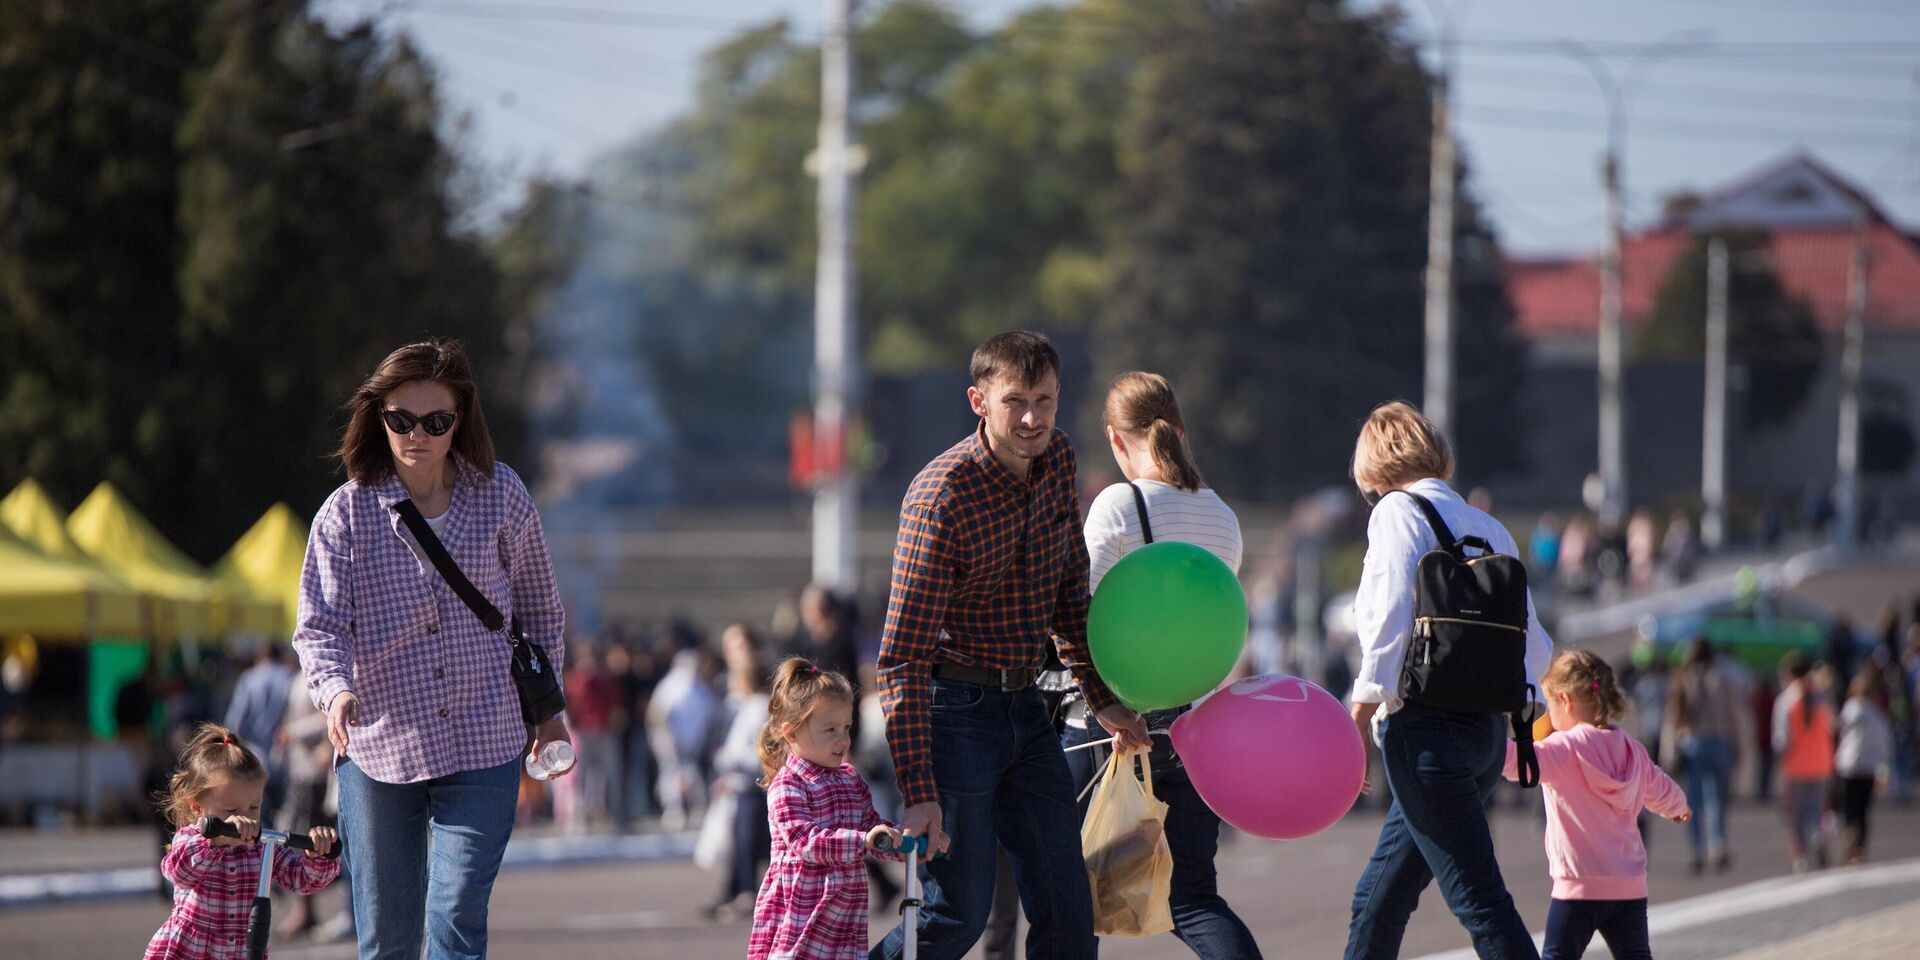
1441, 762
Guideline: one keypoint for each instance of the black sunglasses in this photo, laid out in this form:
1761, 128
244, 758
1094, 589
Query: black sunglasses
437, 422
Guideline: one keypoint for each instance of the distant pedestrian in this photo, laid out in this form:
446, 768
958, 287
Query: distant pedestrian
1703, 727
1803, 736
1863, 760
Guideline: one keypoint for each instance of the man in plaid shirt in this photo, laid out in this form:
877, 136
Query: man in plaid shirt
990, 564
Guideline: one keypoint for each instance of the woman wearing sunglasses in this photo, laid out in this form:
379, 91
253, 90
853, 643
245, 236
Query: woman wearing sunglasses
421, 708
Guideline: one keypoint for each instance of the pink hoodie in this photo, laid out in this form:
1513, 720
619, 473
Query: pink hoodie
1596, 782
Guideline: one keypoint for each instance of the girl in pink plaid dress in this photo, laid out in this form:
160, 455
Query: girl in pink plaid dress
813, 903
214, 880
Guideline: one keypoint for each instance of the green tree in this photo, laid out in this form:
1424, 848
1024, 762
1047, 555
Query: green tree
1769, 332
88, 242
291, 194
1271, 241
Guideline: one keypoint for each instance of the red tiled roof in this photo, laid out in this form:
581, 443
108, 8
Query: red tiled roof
1560, 297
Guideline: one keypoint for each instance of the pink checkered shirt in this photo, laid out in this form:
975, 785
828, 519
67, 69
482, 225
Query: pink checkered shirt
813, 903
213, 889
436, 696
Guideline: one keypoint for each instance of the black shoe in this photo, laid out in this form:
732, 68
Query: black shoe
1696, 867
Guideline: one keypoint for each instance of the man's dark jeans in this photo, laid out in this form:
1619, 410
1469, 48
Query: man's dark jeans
1002, 782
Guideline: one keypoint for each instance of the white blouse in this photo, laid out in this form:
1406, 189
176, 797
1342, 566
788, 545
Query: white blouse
1199, 517
1397, 536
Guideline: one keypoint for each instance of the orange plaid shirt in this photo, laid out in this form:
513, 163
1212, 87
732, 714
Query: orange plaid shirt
987, 567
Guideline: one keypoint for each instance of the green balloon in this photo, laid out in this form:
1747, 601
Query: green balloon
1167, 625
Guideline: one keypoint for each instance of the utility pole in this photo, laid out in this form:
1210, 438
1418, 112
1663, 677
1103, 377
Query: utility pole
1613, 446
1612, 345
1852, 357
1438, 405
1713, 459
836, 491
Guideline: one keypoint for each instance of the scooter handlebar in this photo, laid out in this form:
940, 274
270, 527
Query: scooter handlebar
214, 828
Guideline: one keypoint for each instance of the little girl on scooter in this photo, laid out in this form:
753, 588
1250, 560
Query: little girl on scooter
215, 879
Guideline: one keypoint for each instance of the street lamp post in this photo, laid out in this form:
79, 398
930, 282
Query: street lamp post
1612, 345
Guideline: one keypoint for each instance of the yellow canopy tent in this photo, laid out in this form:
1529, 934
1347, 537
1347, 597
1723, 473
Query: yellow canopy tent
73, 602
35, 518
55, 598
109, 528
267, 559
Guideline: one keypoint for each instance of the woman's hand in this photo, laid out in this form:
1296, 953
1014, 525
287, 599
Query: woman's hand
1363, 718
341, 714
323, 840
552, 731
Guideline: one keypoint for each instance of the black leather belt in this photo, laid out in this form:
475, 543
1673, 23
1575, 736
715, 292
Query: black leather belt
1006, 681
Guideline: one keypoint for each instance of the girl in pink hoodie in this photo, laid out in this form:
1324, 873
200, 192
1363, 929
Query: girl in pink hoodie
1597, 778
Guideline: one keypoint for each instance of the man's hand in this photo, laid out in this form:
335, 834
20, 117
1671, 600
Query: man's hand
1129, 731
340, 715
924, 820
554, 729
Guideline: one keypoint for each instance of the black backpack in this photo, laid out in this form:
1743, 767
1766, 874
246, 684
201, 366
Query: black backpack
1468, 652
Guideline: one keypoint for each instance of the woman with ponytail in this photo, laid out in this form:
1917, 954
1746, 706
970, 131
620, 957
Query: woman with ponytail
814, 901
1165, 498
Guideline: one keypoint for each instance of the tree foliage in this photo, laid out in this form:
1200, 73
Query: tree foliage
222, 215
1770, 333
1232, 193
1272, 241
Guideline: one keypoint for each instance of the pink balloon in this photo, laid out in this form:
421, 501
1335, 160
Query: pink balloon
1273, 755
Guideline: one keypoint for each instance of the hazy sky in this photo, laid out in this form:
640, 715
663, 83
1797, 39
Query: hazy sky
552, 83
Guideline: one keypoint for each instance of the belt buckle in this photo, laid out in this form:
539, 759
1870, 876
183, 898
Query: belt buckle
1007, 676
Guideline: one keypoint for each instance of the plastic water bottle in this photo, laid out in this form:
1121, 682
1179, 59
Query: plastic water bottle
553, 760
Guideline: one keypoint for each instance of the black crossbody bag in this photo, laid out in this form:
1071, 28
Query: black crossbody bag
541, 698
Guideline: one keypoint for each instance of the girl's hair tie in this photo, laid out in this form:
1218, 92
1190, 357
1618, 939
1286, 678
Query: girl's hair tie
810, 668
1594, 686
226, 739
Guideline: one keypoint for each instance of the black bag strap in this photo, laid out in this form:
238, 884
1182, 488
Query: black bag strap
1440, 529
1526, 762
449, 571
1140, 504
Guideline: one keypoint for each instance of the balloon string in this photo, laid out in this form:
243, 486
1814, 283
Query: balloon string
1091, 745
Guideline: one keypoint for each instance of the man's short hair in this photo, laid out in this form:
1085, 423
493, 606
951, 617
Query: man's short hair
1026, 355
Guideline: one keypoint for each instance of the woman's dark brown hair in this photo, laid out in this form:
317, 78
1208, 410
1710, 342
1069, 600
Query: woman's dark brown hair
364, 449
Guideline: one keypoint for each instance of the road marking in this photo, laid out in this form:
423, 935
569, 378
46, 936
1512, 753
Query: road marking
1757, 897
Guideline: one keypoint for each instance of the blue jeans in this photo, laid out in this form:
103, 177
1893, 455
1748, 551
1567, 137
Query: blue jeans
1622, 923
423, 857
1201, 917
1441, 767
1002, 782
1805, 802
1709, 782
